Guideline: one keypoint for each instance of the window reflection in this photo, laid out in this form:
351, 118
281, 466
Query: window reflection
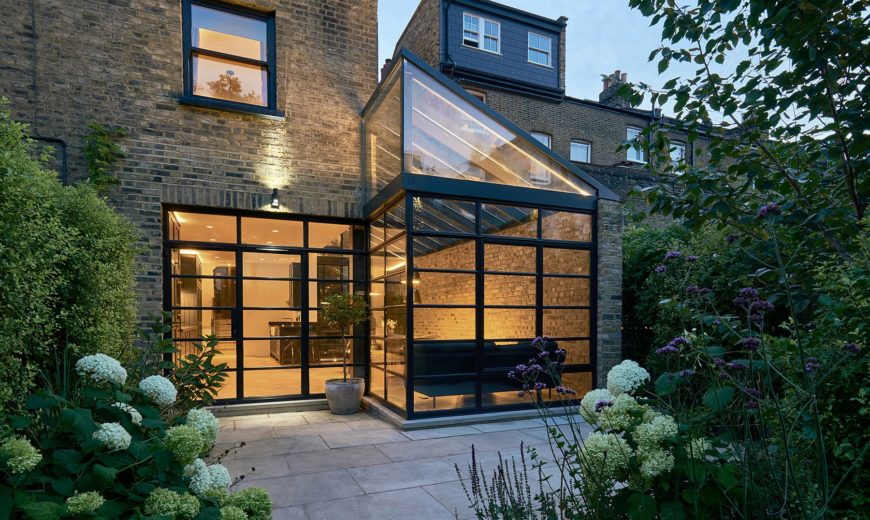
198, 227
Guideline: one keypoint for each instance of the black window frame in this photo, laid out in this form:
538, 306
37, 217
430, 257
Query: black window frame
189, 51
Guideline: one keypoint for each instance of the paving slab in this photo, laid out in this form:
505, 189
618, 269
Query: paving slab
339, 458
312, 429
451, 496
343, 440
405, 504
290, 513
425, 449
283, 446
309, 488
435, 433
400, 475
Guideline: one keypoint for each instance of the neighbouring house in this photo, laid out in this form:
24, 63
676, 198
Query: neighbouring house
267, 168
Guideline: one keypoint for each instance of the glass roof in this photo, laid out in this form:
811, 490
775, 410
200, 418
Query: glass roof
420, 125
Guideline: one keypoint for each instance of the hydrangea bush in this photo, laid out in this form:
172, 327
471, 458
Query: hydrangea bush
109, 449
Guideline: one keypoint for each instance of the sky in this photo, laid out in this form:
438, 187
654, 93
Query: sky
602, 36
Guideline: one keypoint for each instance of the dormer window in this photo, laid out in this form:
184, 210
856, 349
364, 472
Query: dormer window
540, 50
481, 33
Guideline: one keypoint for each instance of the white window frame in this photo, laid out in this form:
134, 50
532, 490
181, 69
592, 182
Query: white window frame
548, 52
543, 138
678, 146
481, 35
585, 144
635, 152
539, 175
478, 94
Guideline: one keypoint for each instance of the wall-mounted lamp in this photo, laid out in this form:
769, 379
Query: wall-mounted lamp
275, 203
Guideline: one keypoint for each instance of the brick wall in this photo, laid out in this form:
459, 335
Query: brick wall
422, 34
610, 225
68, 63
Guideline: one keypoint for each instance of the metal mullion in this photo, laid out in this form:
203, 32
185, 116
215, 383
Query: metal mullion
593, 313
444, 306
443, 234
409, 300
506, 306
446, 271
202, 276
539, 286
238, 328
565, 275
268, 279
479, 265
510, 273
228, 57
306, 322
202, 308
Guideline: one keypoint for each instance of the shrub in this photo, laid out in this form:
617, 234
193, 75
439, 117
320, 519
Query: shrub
80, 454
66, 269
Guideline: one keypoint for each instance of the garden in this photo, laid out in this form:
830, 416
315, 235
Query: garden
745, 384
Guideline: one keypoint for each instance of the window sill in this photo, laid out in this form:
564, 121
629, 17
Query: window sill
481, 49
539, 65
229, 106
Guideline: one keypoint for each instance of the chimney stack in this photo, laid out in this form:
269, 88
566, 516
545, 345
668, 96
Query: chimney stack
385, 69
610, 85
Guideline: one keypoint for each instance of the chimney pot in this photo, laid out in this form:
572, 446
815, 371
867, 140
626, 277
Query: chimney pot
385, 69
611, 84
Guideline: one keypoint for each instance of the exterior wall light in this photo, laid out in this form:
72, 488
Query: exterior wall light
275, 203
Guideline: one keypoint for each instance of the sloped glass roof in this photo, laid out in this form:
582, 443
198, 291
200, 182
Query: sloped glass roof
421, 123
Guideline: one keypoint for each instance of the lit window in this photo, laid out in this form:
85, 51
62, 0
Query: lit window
473, 26
580, 151
230, 54
540, 49
635, 152
678, 153
543, 138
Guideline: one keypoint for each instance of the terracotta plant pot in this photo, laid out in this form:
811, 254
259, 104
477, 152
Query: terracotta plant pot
344, 396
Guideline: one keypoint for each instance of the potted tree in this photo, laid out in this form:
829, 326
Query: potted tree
344, 310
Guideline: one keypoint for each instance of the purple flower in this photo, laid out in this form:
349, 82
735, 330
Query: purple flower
717, 322
521, 394
761, 306
694, 290
719, 362
673, 255
755, 318
687, 372
746, 297
751, 343
752, 405
811, 365
564, 390
600, 405
769, 209
680, 341
754, 392
660, 269
737, 365
732, 238
512, 375
852, 348
691, 258
667, 349
540, 386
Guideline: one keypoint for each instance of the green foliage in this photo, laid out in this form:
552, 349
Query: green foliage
66, 269
102, 152
344, 310
80, 472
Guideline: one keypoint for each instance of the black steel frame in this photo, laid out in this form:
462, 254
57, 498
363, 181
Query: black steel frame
269, 65
358, 282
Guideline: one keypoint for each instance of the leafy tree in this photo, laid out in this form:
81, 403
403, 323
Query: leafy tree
344, 310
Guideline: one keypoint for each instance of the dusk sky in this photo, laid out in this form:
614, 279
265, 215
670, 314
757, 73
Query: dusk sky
603, 35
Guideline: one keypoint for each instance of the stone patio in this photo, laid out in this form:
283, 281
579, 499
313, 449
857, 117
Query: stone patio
322, 466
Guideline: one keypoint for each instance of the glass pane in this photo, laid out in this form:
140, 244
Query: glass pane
271, 265
322, 328
396, 390
396, 290
444, 323
507, 354
268, 231
498, 389
448, 137
273, 383
439, 358
376, 382
228, 389
377, 352
376, 263
271, 293
333, 236
378, 323
199, 323
566, 261
576, 351
395, 256
508, 290
383, 135
199, 227
376, 233
396, 324
570, 323
581, 382
444, 288
228, 33
328, 351
559, 225
508, 323
259, 323
273, 352
376, 295
394, 221
230, 80
318, 376
226, 351
203, 292
443, 393
444, 215
319, 291
566, 291
330, 266
444, 253
516, 259
509, 221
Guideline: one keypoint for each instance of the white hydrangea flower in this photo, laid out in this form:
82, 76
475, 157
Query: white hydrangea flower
655, 462
135, 416
102, 369
205, 423
592, 398
626, 377
622, 414
159, 389
698, 448
650, 435
113, 436
605, 456
204, 478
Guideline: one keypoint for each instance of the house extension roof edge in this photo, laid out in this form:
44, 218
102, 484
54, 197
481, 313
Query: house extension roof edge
602, 191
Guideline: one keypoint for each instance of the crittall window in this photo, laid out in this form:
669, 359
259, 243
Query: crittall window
229, 56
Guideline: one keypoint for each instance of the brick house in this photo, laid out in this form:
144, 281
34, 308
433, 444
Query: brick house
266, 169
